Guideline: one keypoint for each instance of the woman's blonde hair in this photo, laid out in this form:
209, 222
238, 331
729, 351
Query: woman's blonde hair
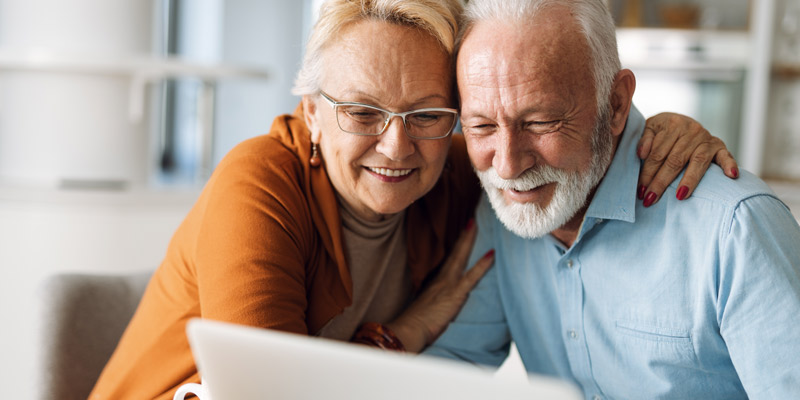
437, 17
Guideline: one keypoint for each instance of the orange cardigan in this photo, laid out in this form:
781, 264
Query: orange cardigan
263, 247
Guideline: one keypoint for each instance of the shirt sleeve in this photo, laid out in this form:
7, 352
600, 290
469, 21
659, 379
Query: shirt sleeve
479, 334
253, 244
759, 297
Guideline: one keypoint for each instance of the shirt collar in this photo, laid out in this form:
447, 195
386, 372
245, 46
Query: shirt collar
615, 197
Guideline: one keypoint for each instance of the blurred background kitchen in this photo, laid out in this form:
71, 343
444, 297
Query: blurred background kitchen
113, 113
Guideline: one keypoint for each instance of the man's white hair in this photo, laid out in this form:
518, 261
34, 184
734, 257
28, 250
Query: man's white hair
593, 17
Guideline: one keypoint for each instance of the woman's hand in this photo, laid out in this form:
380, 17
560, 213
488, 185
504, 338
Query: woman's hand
670, 142
427, 317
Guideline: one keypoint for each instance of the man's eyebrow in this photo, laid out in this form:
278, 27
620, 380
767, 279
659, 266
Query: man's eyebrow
522, 114
472, 114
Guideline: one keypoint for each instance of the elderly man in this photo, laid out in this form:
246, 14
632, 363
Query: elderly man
697, 300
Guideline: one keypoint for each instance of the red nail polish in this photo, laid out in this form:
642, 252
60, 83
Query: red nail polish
470, 224
650, 199
640, 194
735, 172
489, 253
682, 192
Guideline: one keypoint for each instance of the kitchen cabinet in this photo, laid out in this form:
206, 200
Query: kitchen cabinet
734, 65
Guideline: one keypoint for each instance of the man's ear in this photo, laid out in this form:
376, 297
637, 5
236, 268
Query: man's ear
310, 115
621, 100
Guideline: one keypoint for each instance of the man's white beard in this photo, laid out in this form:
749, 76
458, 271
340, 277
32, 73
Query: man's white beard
571, 192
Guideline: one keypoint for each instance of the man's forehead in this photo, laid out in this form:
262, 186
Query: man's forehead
504, 54
553, 33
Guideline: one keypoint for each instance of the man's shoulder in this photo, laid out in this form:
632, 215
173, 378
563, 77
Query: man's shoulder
717, 188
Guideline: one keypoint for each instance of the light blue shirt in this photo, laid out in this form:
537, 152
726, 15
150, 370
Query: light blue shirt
697, 299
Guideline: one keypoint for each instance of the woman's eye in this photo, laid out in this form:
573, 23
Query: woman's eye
424, 118
363, 114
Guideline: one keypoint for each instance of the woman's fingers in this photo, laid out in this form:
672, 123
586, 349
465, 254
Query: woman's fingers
437, 305
445, 299
462, 282
698, 164
457, 261
725, 160
713, 150
671, 166
657, 154
645, 143
672, 142
474, 274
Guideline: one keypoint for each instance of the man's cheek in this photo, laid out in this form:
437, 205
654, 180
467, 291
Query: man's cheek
480, 153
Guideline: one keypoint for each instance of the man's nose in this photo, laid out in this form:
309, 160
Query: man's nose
512, 156
393, 142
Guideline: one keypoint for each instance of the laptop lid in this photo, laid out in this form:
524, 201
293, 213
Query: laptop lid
239, 362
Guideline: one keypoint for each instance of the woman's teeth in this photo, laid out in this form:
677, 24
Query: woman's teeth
390, 172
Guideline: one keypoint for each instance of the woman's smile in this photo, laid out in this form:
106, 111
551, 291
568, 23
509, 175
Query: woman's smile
390, 175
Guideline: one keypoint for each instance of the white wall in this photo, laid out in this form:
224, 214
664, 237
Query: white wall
267, 33
57, 125
44, 230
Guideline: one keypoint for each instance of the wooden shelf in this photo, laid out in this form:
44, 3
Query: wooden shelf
141, 71
151, 67
786, 71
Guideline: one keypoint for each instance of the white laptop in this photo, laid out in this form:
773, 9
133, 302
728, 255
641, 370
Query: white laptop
237, 362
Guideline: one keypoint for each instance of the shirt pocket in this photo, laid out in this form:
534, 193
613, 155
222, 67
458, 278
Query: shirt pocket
655, 346
660, 356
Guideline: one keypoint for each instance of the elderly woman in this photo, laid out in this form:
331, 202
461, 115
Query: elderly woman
332, 224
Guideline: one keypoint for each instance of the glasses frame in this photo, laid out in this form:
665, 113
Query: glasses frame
335, 105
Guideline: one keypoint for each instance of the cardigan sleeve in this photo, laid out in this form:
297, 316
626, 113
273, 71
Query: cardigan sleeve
254, 238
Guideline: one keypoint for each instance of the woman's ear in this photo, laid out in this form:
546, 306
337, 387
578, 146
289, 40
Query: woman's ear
310, 114
621, 100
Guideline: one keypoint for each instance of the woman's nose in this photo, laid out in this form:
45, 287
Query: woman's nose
394, 143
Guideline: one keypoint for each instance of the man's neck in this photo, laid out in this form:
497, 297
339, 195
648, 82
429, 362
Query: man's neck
567, 234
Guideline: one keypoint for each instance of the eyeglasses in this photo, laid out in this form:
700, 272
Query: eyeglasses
366, 120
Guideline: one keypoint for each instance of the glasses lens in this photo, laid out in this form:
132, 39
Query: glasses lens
430, 124
360, 119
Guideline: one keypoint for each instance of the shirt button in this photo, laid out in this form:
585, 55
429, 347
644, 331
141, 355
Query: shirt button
597, 397
572, 334
569, 263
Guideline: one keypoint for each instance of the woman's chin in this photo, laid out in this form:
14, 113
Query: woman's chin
392, 207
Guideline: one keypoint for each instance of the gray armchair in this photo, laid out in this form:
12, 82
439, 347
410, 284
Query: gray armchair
84, 317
